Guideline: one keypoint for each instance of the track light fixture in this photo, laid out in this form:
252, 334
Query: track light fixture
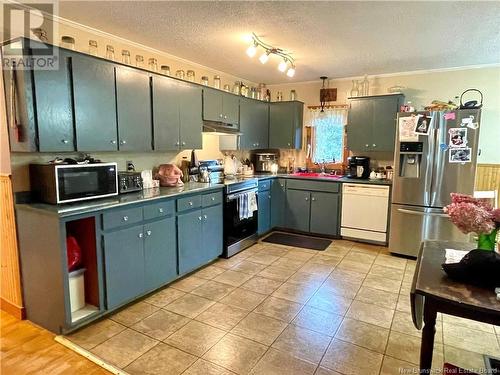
286, 65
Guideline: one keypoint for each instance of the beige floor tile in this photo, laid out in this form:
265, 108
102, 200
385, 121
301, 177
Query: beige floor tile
298, 256
134, 313
275, 250
244, 299
302, 343
124, 348
350, 359
316, 268
465, 359
307, 279
279, 308
472, 324
236, 353
326, 299
318, 320
263, 258
372, 314
202, 367
189, 305
393, 366
222, 316
403, 323
329, 260
340, 274
386, 272
407, 348
342, 244
261, 285
325, 371
377, 297
227, 263
360, 256
470, 339
249, 267
96, 333
366, 248
209, 272
213, 290
187, 284
275, 362
259, 328
232, 278
288, 263
295, 292
164, 297
403, 303
363, 334
405, 288
162, 359
354, 266
276, 273
391, 261
335, 251
161, 324
195, 338
344, 288
382, 283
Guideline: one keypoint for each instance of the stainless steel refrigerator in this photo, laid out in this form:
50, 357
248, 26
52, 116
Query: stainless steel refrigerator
427, 168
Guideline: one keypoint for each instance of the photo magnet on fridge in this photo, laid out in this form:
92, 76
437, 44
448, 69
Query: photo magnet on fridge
460, 155
423, 125
458, 137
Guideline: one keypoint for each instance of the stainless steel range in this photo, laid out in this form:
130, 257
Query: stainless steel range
240, 221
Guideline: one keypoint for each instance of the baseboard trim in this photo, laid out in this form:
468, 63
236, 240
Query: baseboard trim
16, 311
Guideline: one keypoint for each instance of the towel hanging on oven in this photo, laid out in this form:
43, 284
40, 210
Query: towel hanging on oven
247, 205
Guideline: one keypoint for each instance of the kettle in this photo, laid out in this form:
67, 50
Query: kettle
229, 165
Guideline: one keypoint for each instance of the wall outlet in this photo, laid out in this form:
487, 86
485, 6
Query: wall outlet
130, 165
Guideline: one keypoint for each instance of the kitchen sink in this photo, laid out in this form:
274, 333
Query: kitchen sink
316, 174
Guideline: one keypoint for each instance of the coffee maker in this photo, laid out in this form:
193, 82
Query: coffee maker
358, 167
263, 161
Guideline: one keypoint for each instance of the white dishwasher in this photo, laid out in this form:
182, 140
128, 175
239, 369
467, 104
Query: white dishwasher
364, 212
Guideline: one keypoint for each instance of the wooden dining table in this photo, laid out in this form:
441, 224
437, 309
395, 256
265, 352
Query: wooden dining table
433, 291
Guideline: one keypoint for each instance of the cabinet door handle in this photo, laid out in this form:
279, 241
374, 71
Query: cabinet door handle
221, 115
205, 217
313, 199
269, 196
367, 145
160, 210
213, 198
122, 142
125, 218
148, 233
225, 117
289, 144
183, 143
140, 235
307, 199
177, 143
374, 145
199, 218
113, 142
190, 203
65, 141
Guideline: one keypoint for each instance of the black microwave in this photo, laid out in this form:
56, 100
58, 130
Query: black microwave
64, 183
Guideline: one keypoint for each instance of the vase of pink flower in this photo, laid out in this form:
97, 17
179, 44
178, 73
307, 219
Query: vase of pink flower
475, 215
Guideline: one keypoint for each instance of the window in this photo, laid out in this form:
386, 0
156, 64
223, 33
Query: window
327, 135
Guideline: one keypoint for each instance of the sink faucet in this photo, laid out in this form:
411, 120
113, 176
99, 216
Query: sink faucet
323, 167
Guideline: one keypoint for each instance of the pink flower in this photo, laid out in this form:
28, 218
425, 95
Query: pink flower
461, 198
472, 215
495, 214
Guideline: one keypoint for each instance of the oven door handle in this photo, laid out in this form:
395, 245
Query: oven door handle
236, 195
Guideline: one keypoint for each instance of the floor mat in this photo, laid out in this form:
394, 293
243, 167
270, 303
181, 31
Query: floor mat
298, 241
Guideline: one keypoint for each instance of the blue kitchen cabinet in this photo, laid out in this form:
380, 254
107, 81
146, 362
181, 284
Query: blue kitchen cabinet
124, 265
212, 105
298, 209
160, 253
264, 218
133, 105
190, 113
325, 208
278, 202
285, 124
94, 104
212, 225
166, 114
254, 124
189, 233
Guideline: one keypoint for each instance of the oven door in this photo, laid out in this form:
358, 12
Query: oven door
236, 229
86, 181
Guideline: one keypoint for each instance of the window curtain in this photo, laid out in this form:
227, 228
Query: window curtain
327, 134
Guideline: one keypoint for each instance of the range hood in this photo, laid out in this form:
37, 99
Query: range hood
220, 128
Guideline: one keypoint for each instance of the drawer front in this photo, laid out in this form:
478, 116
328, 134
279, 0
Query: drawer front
264, 185
328, 187
118, 218
161, 209
212, 199
184, 204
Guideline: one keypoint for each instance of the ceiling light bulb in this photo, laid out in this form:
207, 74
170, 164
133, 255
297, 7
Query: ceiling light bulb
251, 51
282, 66
264, 57
291, 72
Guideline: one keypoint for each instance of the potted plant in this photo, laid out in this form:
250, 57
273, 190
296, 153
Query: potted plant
474, 215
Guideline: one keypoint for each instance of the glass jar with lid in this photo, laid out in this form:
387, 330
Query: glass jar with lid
153, 64
190, 76
253, 92
244, 90
227, 87
93, 47
139, 61
237, 88
293, 95
126, 56
204, 80
165, 69
110, 52
179, 74
217, 82
68, 42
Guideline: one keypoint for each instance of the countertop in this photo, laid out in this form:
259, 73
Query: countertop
70, 209
264, 176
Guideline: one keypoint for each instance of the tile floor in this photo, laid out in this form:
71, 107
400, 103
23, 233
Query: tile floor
281, 310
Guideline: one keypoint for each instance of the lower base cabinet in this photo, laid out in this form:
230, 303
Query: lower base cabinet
278, 203
298, 209
264, 218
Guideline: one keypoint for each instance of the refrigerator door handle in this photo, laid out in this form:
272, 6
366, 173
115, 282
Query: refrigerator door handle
431, 157
422, 213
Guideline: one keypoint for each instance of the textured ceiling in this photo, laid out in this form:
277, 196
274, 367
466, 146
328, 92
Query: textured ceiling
332, 38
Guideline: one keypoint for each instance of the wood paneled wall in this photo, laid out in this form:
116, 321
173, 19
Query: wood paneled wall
10, 287
488, 178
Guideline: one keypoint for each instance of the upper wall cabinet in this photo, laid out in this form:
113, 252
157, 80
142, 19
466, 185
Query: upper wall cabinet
220, 106
133, 104
190, 116
95, 109
285, 124
254, 124
371, 124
